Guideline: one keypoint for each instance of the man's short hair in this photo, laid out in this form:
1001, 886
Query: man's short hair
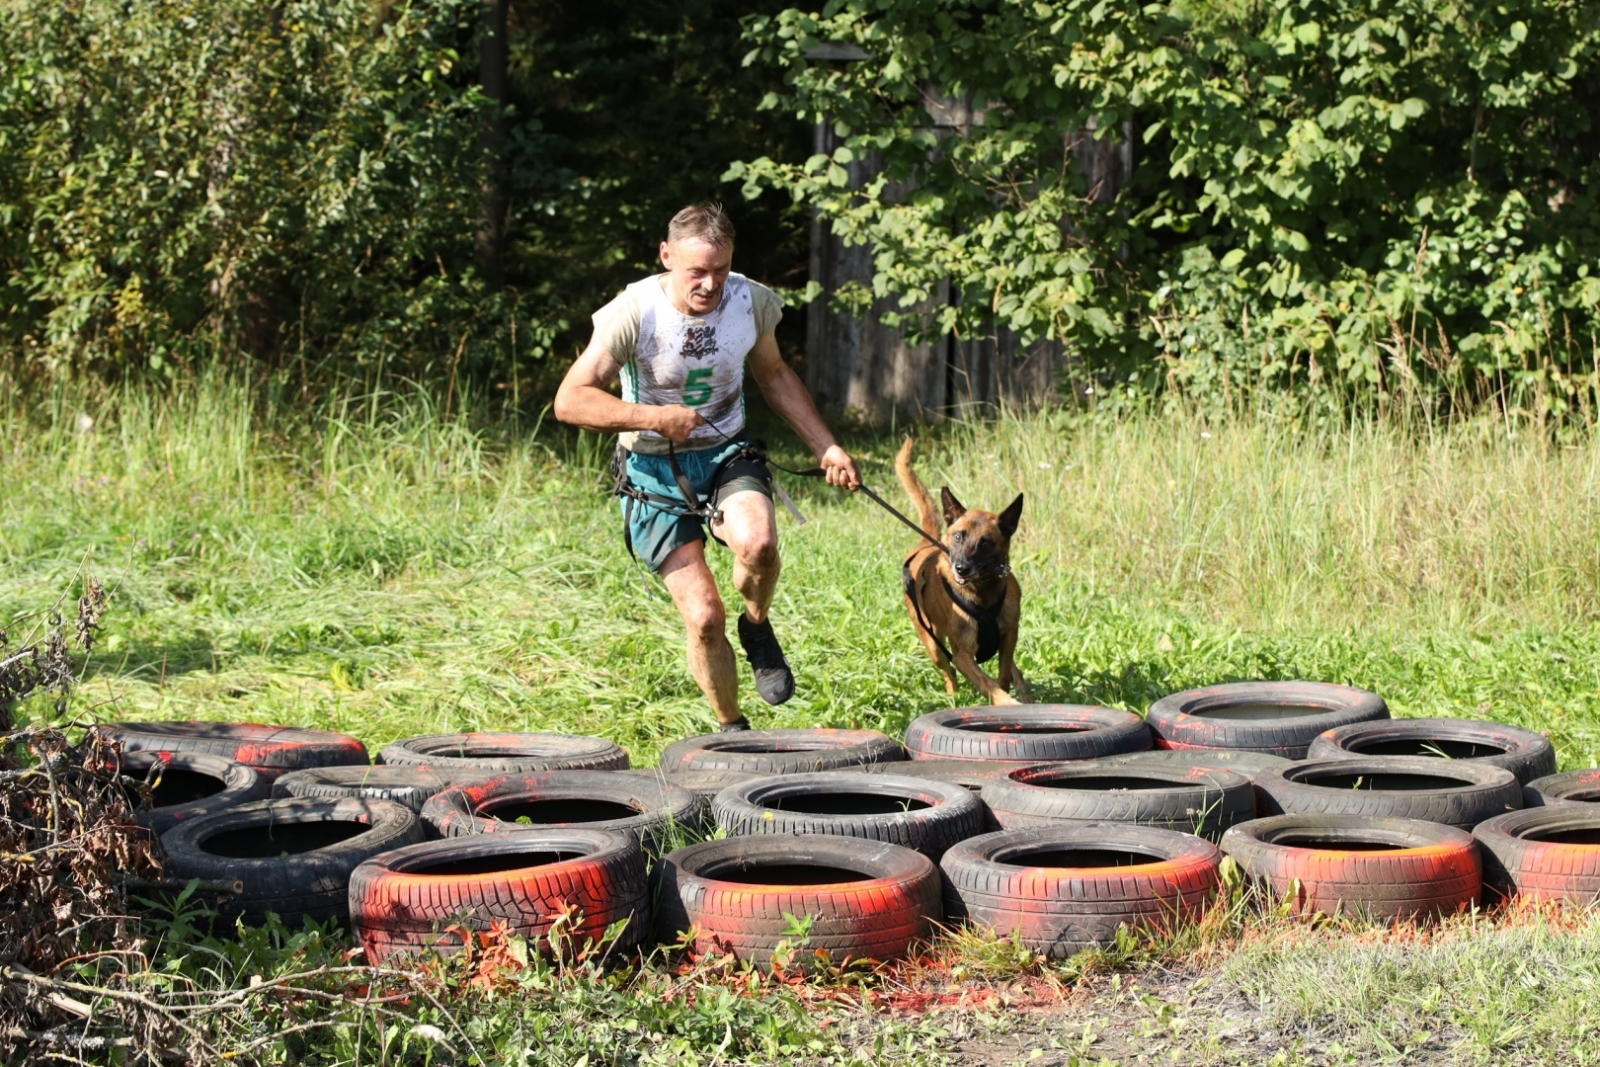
703, 222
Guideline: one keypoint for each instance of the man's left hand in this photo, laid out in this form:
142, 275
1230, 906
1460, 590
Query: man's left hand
841, 469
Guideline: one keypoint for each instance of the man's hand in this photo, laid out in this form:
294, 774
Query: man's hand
676, 422
841, 469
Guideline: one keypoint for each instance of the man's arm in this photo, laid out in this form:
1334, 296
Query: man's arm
790, 398
583, 400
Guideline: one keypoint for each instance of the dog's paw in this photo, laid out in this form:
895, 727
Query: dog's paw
1000, 696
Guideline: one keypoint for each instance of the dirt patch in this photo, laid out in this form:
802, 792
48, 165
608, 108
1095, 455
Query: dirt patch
1166, 1017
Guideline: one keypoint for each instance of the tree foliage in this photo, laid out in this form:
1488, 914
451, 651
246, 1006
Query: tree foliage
183, 177
303, 183
1322, 187
625, 111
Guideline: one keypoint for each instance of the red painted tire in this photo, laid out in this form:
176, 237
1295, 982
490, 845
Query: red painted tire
1037, 733
187, 786
505, 753
1543, 853
411, 786
1378, 867
1190, 800
864, 899
401, 901
592, 800
781, 751
294, 857
1063, 889
1524, 753
1281, 718
1459, 793
917, 813
272, 750
1569, 787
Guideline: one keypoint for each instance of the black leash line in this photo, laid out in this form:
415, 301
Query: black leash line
818, 472
891, 509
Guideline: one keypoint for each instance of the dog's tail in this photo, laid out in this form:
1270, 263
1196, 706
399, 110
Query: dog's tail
919, 492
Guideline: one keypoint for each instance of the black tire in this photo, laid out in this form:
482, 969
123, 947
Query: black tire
402, 901
1524, 753
1569, 787
864, 899
1063, 889
1191, 800
874, 807
1548, 854
272, 750
705, 785
411, 786
1458, 793
1281, 718
505, 753
649, 811
1240, 761
294, 857
781, 751
187, 786
1037, 733
972, 775
1381, 868
969, 773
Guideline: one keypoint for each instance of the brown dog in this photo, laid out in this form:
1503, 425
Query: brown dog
963, 600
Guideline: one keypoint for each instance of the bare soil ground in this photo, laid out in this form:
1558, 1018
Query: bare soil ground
1163, 1016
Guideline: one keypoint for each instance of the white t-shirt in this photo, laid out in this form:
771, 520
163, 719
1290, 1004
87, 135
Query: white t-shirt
694, 360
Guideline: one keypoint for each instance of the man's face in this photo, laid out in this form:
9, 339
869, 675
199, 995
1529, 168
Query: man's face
696, 271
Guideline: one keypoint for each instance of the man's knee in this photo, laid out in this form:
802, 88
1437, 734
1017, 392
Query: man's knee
705, 618
758, 549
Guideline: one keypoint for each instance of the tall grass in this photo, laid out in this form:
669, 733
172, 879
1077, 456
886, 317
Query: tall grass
377, 564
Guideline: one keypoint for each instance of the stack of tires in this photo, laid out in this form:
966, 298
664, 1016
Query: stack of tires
1057, 824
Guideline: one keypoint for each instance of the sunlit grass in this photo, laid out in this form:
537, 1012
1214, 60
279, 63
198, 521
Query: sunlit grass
370, 565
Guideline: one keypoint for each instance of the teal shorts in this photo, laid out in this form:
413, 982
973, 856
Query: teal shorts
655, 533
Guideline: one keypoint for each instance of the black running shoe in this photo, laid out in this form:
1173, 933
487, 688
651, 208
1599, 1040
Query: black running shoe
774, 680
741, 723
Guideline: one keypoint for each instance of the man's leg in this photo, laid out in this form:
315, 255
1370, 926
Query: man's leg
711, 662
749, 526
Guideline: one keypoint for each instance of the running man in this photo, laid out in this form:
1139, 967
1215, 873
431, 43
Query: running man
681, 342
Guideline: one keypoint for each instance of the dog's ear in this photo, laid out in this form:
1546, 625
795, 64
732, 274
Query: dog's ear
953, 509
1011, 516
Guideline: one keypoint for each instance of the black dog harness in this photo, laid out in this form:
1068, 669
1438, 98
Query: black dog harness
987, 618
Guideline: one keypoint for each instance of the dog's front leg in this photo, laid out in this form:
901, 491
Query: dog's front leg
992, 690
935, 652
1010, 675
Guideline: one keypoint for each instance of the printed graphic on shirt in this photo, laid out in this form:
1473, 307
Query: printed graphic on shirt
697, 386
700, 341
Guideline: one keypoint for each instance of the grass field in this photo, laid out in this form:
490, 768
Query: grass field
379, 567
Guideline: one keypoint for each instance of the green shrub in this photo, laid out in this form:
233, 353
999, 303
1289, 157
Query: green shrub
181, 177
1323, 190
